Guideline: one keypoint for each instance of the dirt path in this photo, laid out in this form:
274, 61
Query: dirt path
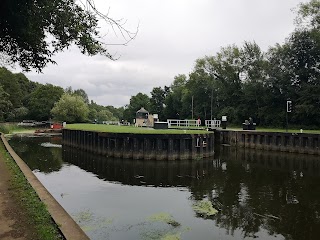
13, 221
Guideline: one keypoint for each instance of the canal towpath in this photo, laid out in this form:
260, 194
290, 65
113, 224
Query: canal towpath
14, 223
68, 228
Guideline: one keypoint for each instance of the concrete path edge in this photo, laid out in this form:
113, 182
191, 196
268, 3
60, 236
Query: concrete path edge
68, 227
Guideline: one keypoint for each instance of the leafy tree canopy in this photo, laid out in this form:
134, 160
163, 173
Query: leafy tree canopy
5, 103
42, 101
70, 108
308, 15
32, 31
136, 102
79, 92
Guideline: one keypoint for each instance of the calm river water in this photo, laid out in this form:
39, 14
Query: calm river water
257, 194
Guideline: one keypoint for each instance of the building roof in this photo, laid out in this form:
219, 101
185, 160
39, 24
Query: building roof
142, 110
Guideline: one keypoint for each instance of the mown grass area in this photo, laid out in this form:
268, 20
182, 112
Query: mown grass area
130, 129
143, 130
29, 201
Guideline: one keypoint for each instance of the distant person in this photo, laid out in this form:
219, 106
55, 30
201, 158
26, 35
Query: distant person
198, 122
250, 121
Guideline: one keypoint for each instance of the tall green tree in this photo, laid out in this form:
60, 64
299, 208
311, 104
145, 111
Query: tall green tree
116, 112
157, 100
218, 77
71, 109
80, 92
105, 115
11, 85
136, 102
175, 99
42, 101
308, 15
5, 104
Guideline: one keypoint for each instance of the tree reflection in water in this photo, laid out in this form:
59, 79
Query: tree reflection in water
253, 190
43, 159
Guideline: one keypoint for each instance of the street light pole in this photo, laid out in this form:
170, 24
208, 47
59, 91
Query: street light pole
287, 121
192, 107
288, 110
211, 101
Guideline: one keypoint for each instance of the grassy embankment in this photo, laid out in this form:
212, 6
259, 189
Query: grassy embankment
12, 128
142, 130
29, 201
130, 129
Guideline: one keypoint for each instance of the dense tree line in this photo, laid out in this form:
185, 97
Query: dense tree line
243, 82
22, 99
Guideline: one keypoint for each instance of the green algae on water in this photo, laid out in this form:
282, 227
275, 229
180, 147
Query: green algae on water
171, 236
164, 217
204, 207
84, 216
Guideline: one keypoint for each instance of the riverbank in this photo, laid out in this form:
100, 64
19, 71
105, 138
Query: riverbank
22, 214
42, 208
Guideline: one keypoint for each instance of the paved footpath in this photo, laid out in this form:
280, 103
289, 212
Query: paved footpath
13, 222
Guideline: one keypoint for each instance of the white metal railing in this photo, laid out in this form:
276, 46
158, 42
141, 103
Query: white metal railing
111, 122
213, 123
183, 123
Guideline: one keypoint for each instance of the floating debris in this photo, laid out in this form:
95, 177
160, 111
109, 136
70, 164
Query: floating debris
63, 194
267, 216
138, 176
50, 145
204, 207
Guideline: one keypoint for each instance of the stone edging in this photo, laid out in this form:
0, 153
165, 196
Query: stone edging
68, 227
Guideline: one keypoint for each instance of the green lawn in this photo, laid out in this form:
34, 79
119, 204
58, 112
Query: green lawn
143, 130
130, 129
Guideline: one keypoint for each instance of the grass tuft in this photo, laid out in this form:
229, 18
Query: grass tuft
8, 128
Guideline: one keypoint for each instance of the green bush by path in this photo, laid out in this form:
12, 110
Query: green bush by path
12, 127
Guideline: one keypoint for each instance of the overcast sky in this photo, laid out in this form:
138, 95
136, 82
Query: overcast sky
172, 35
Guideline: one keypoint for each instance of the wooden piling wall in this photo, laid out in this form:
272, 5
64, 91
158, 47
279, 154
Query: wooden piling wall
142, 146
271, 141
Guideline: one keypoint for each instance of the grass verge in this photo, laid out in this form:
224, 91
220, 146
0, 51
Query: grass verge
29, 201
129, 129
7, 128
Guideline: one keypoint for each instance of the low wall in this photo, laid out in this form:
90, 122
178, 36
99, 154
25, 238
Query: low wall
273, 141
142, 146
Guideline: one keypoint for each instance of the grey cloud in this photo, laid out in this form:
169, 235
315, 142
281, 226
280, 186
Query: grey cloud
172, 35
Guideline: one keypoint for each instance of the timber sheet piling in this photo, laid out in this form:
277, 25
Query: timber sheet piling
142, 146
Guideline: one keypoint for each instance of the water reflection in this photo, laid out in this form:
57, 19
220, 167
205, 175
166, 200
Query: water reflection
258, 194
40, 153
140, 172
